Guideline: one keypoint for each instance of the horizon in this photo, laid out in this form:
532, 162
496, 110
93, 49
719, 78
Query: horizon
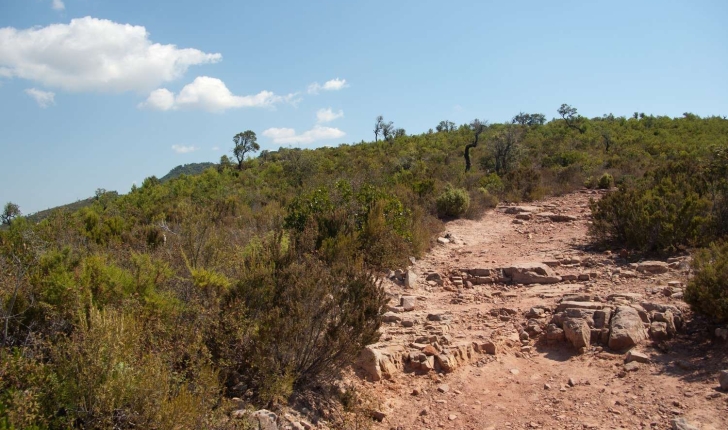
104, 95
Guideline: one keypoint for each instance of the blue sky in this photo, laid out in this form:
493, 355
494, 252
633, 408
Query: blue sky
101, 94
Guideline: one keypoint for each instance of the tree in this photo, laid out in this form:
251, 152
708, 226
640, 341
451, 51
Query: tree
244, 142
225, 163
504, 147
446, 126
379, 121
529, 119
10, 212
387, 130
571, 117
400, 132
478, 127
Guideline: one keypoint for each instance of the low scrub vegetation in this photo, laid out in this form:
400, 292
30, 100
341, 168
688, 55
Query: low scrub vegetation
257, 278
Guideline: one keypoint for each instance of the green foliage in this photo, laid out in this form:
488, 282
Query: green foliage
605, 182
453, 202
125, 309
707, 291
187, 169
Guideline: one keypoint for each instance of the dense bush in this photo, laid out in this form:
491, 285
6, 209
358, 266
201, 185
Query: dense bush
707, 291
453, 202
606, 181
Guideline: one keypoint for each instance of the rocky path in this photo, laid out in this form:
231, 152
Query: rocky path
511, 323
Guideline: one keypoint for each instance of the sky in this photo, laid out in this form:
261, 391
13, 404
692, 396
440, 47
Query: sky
102, 94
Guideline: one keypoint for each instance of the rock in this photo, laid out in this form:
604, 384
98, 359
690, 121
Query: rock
583, 277
486, 347
535, 313
430, 350
554, 333
380, 364
626, 328
658, 331
391, 317
521, 209
410, 280
572, 382
378, 416
438, 316
653, 267
681, 424
577, 332
638, 356
443, 241
631, 297
579, 305
452, 417
723, 380
668, 319
602, 317
408, 303
443, 388
434, 277
265, 419
632, 366
531, 273
721, 333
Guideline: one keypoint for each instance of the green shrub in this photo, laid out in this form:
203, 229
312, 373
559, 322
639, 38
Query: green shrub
651, 217
707, 291
480, 201
606, 181
453, 202
591, 182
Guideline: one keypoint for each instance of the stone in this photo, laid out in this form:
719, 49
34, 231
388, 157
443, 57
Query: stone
378, 363
512, 210
408, 303
391, 317
410, 279
602, 317
579, 305
723, 380
668, 319
443, 388
378, 416
583, 277
632, 366
631, 297
626, 328
535, 313
653, 267
658, 331
434, 277
577, 332
554, 333
443, 241
681, 424
531, 273
266, 419
430, 350
452, 417
486, 347
638, 356
721, 333
438, 316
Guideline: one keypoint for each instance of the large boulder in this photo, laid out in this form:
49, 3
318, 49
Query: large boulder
531, 273
380, 364
626, 328
577, 332
653, 267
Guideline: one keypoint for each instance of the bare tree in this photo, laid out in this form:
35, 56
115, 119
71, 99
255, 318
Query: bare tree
379, 121
388, 130
478, 127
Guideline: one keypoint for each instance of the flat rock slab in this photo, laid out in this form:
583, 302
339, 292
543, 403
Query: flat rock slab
521, 209
579, 305
531, 273
654, 267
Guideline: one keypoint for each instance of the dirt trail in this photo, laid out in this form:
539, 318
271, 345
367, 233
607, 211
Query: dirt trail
531, 382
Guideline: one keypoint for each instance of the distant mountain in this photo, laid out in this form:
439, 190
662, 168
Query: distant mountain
186, 169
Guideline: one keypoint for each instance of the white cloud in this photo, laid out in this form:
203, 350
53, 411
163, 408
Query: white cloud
327, 115
58, 5
181, 149
332, 85
215, 148
43, 98
91, 54
210, 94
289, 136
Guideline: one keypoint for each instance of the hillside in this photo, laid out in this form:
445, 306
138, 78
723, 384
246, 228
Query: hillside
186, 169
258, 285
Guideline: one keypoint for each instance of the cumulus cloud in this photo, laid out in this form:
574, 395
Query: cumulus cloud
58, 5
332, 85
288, 135
181, 149
328, 115
210, 94
43, 98
91, 54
